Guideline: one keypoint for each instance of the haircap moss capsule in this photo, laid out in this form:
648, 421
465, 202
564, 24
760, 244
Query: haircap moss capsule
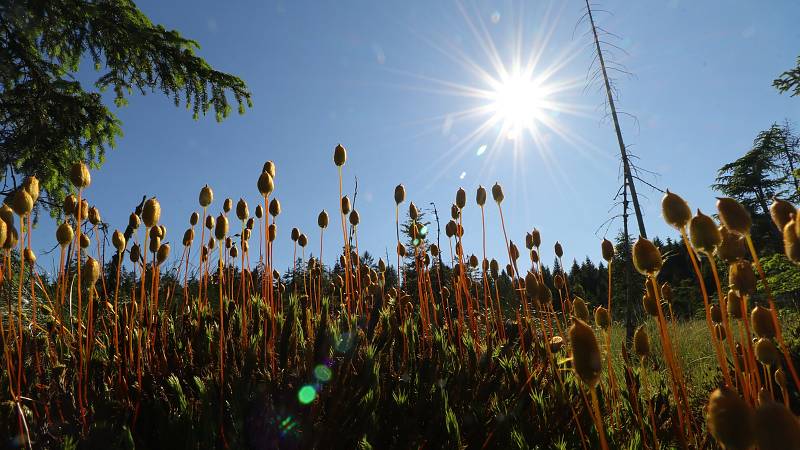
528, 241
585, 353
641, 342
536, 237
269, 167
354, 218
162, 254
650, 304
70, 203
461, 198
221, 228
188, 237
534, 256
210, 222
206, 196
302, 240
234, 252
345, 205
12, 237
85, 241
734, 216
646, 257
666, 291
497, 193
265, 184
274, 207
79, 175
94, 216
339, 155
272, 233
781, 212
704, 234
399, 194
117, 239
134, 253
91, 272
579, 309
601, 317
776, 427
242, 211
259, 211
558, 249
401, 250
194, 218
675, 210
31, 186
227, 205
151, 213
761, 319
155, 243
766, 352
730, 419
732, 247
4, 232
21, 202
791, 242
742, 278
295, 234
480, 196
322, 219
133, 221
716, 313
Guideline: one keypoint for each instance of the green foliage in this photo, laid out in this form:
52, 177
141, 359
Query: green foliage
48, 120
783, 276
789, 81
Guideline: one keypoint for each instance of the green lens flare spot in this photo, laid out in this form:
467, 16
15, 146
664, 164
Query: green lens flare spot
307, 394
322, 373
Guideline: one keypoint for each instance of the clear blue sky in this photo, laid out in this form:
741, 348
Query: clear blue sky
363, 73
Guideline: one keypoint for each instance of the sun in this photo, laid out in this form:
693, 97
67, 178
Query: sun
517, 102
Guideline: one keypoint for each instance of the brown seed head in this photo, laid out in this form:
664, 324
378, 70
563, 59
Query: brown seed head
734, 216
151, 213
269, 167
31, 185
221, 228
21, 202
497, 193
274, 207
134, 253
704, 234
265, 184
585, 353
339, 155
607, 250
322, 219
602, 318
761, 319
133, 221
776, 427
646, 257
242, 211
79, 175
480, 196
399, 194
345, 205
675, 210
742, 278
580, 310
206, 196
767, 352
188, 237
641, 342
162, 254
730, 420
781, 212
118, 240
461, 198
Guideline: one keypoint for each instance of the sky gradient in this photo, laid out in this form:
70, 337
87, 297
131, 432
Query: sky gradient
379, 77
